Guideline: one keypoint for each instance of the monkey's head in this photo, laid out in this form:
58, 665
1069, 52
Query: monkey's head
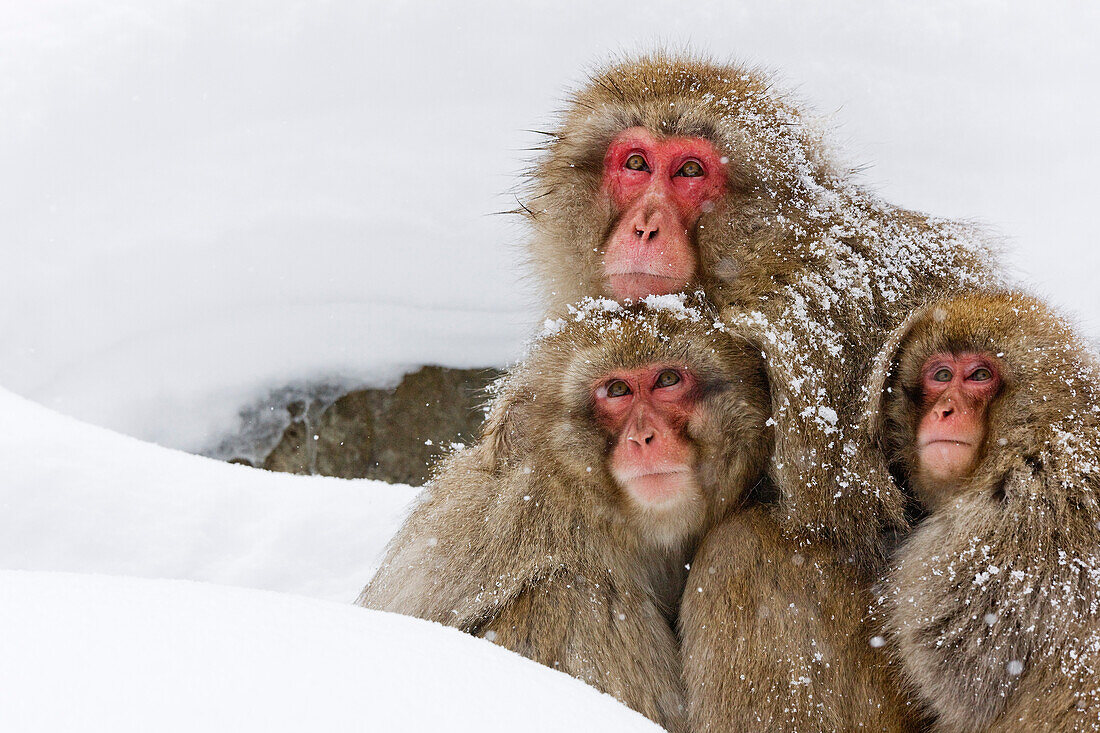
964, 392
658, 166
649, 414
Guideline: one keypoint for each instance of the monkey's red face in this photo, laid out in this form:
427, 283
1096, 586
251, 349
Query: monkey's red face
956, 391
647, 410
660, 187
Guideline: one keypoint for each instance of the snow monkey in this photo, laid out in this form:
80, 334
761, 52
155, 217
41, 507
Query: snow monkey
988, 409
565, 532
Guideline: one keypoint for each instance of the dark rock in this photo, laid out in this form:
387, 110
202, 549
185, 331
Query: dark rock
428, 411
346, 436
393, 435
294, 453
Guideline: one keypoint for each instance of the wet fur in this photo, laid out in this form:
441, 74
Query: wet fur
775, 637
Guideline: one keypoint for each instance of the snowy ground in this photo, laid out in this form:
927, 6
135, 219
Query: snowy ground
200, 201
79, 498
207, 658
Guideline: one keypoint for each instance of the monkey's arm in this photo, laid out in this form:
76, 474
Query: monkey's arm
497, 557
1006, 583
774, 637
603, 630
1062, 696
465, 550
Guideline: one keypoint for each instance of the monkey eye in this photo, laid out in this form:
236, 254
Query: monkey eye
691, 169
667, 378
981, 375
636, 162
618, 388
942, 375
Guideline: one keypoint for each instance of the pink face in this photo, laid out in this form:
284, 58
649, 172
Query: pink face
660, 186
647, 409
956, 392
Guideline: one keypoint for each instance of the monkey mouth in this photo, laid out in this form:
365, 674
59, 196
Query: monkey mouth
642, 273
659, 486
654, 472
949, 441
637, 285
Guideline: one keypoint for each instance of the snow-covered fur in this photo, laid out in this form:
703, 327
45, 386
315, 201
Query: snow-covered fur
525, 538
821, 269
993, 605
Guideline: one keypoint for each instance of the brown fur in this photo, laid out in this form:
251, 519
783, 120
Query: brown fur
993, 603
819, 268
774, 637
525, 538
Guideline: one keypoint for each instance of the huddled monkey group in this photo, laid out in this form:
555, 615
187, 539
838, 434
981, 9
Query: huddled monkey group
785, 457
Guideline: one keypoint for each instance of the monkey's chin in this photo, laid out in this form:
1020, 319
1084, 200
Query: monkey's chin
668, 507
946, 460
637, 285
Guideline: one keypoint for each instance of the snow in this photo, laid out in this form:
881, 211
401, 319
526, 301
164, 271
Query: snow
80, 498
105, 654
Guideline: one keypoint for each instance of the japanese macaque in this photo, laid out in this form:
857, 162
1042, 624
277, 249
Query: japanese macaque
565, 532
988, 409
671, 173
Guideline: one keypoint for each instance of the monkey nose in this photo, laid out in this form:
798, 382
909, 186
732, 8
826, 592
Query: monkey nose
647, 227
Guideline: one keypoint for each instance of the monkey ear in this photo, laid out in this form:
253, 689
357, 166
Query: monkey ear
883, 377
504, 433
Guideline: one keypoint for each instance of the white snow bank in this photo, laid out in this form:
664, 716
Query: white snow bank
80, 498
94, 654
